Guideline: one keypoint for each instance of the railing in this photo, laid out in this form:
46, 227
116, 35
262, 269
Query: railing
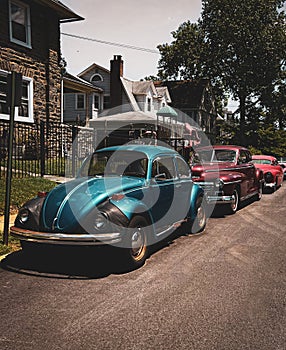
45, 149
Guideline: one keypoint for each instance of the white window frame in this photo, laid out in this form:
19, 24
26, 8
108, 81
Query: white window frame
98, 75
76, 101
18, 118
26, 7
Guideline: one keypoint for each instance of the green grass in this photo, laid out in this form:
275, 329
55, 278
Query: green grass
21, 191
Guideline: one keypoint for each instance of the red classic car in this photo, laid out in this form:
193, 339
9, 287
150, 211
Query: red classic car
227, 175
272, 170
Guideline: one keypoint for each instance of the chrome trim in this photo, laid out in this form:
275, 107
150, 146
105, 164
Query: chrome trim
65, 238
269, 184
228, 169
212, 183
171, 227
221, 199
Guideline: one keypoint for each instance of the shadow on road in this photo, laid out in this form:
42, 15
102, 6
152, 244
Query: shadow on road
62, 263
74, 262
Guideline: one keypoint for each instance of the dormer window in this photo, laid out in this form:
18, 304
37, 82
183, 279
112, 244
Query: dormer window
20, 26
95, 78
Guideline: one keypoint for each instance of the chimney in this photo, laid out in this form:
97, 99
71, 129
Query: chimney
116, 72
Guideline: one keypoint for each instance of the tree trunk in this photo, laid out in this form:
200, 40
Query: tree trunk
242, 138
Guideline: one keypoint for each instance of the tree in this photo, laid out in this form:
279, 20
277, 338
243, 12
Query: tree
239, 46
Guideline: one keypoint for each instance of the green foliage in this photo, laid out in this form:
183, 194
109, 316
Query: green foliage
240, 46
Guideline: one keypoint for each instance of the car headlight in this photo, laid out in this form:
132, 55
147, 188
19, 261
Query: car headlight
23, 215
100, 221
218, 183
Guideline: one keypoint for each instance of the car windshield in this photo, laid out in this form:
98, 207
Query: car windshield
215, 156
261, 161
116, 163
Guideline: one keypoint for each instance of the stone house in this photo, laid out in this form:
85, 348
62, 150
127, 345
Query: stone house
115, 94
30, 44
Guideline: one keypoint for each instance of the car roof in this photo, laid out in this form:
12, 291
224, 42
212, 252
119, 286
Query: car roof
262, 156
229, 147
150, 150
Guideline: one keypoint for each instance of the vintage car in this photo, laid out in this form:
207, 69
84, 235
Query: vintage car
272, 170
227, 175
282, 162
128, 196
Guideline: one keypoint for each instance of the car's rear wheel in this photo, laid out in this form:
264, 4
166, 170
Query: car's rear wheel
135, 250
199, 224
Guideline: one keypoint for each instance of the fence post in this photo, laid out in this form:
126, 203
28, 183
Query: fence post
74, 149
14, 94
42, 147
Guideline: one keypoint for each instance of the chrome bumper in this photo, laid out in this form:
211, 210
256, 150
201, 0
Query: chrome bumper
64, 238
221, 199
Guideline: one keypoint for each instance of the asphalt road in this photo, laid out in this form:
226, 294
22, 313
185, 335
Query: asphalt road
225, 289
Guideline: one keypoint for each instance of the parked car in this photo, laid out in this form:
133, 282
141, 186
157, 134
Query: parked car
128, 196
273, 172
282, 162
227, 175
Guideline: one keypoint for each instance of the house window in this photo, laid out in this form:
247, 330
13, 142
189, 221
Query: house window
149, 104
80, 101
23, 113
95, 78
96, 102
106, 102
20, 26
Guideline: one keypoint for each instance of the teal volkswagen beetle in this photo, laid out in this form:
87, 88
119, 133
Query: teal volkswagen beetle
128, 196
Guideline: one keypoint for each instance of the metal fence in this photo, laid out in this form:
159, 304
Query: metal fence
45, 149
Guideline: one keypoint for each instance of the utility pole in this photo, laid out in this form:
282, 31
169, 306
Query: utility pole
13, 99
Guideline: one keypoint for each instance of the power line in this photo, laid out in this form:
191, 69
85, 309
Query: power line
111, 43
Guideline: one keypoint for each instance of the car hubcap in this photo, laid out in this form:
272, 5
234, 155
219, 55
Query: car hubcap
235, 203
138, 246
201, 216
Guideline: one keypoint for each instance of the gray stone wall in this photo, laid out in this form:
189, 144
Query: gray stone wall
41, 62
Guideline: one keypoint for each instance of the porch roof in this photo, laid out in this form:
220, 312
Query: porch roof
64, 12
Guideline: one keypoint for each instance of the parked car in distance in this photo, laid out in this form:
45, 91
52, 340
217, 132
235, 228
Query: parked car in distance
273, 172
227, 175
282, 162
128, 196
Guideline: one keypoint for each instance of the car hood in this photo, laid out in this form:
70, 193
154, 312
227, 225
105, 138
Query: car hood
198, 169
265, 167
69, 202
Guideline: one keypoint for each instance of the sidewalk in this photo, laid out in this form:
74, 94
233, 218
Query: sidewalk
58, 179
11, 222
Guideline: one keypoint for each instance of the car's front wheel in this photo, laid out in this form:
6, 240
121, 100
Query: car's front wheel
233, 207
135, 250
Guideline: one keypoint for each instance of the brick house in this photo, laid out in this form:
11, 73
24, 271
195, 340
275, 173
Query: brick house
30, 44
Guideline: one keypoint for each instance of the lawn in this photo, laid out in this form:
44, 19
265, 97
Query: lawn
21, 191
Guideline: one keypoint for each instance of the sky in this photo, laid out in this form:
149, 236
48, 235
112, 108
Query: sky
143, 24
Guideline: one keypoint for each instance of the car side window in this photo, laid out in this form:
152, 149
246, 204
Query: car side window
163, 169
183, 168
243, 157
